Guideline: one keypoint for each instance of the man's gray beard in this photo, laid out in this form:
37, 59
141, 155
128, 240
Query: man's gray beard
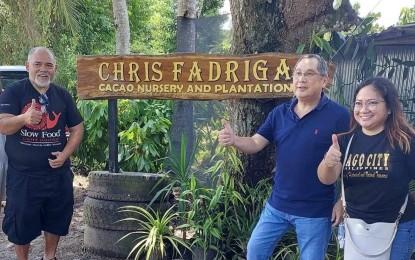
42, 85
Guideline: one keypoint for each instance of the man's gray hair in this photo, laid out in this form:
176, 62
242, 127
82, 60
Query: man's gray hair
35, 49
321, 65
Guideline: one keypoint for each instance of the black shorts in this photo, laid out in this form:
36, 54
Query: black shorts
34, 204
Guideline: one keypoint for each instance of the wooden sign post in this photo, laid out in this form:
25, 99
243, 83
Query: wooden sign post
187, 76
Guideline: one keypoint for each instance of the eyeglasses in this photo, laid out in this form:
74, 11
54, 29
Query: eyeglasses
307, 75
370, 104
44, 101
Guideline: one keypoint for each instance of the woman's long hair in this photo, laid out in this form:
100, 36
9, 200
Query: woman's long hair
398, 130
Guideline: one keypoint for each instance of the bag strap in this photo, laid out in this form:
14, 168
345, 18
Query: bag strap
345, 216
341, 176
395, 229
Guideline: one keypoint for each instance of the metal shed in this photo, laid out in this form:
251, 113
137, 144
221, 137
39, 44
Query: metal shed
394, 43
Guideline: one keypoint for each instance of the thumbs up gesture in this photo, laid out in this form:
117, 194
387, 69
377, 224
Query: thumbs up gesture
33, 116
226, 136
333, 155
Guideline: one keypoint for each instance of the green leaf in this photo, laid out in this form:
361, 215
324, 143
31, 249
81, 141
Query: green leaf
371, 51
215, 233
387, 60
366, 29
327, 47
350, 40
318, 41
409, 63
405, 73
399, 61
300, 48
368, 20
381, 72
337, 39
356, 49
390, 73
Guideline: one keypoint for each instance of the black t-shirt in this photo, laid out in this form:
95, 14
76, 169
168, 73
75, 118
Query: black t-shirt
376, 178
29, 148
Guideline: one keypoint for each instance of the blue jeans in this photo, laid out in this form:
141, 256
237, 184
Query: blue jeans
313, 234
404, 243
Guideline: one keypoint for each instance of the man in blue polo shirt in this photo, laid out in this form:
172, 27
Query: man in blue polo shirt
301, 131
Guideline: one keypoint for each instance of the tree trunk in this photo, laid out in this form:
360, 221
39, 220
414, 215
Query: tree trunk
182, 121
275, 26
122, 27
246, 117
122, 46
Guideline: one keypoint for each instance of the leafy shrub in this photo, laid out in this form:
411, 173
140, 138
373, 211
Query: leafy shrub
143, 138
143, 132
153, 232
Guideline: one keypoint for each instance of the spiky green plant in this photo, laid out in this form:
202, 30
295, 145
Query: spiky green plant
153, 232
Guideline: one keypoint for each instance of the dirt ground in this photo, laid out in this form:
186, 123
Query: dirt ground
70, 246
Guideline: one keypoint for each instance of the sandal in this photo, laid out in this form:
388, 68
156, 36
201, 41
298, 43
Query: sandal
50, 259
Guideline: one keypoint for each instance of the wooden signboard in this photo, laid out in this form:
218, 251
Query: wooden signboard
187, 76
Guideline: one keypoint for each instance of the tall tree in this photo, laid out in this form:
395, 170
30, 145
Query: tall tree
122, 46
28, 23
122, 27
407, 15
182, 121
153, 26
275, 26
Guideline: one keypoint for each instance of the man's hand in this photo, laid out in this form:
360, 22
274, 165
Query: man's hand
337, 213
56, 160
226, 136
333, 155
33, 116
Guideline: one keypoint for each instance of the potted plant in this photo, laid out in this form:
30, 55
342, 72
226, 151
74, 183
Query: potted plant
154, 233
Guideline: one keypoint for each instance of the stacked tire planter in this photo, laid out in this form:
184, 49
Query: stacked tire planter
106, 193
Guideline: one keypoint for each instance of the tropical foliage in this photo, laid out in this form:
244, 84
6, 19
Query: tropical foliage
143, 135
407, 15
154, 232
220, 216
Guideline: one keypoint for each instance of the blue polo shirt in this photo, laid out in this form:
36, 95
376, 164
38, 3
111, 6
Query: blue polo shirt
300, 146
